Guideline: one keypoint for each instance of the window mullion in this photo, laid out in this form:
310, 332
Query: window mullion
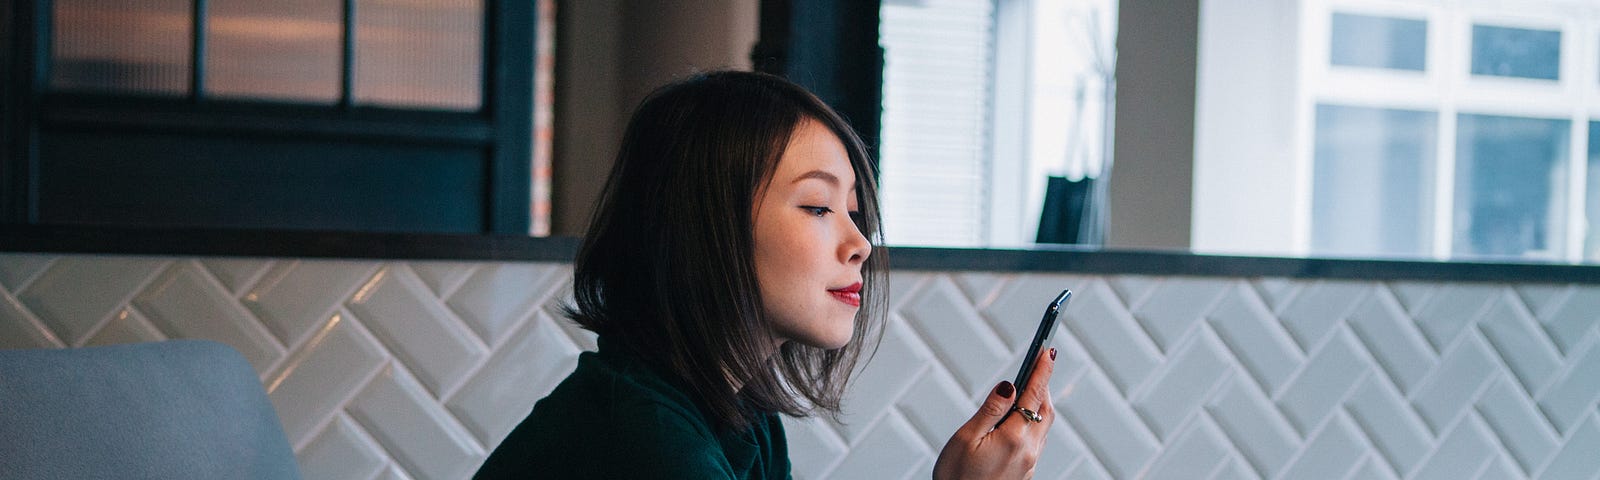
197, 54
1454, 50
1579, 42
347, 55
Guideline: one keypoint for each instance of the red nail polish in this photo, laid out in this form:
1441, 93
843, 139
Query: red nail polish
1005, 389
1052, 354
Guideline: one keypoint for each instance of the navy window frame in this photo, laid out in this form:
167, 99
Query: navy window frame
132, 161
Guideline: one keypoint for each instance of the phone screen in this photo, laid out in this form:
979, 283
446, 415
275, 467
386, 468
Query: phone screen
1046, 325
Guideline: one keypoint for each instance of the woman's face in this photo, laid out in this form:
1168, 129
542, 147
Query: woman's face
808, 250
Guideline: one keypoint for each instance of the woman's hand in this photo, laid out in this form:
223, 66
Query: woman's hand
999, 442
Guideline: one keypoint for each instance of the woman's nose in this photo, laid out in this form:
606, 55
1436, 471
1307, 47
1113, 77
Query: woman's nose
855, 248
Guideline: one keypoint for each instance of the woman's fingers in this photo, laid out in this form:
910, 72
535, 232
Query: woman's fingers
1036, 397
1047, 411
990, 412
1037, 393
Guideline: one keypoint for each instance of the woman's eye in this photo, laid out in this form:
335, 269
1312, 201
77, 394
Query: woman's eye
817, 211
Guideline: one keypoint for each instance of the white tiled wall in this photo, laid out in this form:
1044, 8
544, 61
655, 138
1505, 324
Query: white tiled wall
417, 369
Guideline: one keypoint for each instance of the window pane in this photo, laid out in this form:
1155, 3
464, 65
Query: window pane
285, 49
139, 46
1591, 203
935, 135
1509, 198
1516, 52
1373, 181
419, 54
1378, 42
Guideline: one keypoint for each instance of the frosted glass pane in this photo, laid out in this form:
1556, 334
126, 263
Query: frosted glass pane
1509, 198
127, 46
1373, 181
419, 54
1516, 52
1378, 42
936, 90
279, 50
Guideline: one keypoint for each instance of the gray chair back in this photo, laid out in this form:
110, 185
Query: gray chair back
173, 409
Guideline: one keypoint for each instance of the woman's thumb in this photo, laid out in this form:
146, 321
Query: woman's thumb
993, 409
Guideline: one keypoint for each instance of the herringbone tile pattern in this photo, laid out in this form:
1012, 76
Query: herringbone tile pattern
417, 369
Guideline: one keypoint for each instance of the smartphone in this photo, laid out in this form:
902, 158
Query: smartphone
1041, 336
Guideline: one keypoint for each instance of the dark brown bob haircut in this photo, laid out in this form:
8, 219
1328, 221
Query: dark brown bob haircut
668, 266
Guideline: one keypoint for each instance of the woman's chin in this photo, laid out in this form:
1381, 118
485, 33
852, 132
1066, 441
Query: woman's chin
829, 342
835, 343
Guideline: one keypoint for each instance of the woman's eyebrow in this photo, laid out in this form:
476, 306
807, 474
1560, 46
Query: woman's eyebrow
819, 175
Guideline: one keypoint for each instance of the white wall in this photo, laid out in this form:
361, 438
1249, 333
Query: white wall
1245, 164
418, 369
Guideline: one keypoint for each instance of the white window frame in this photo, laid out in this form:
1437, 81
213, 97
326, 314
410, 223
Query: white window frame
1445, 87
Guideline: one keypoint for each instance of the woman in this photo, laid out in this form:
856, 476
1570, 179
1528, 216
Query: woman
729, 274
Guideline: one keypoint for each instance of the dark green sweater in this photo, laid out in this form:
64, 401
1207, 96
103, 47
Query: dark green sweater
614, 417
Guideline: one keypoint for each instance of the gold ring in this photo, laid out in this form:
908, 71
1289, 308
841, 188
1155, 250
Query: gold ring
1028, 414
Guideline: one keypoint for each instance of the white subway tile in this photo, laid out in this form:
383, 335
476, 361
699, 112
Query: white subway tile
1255, 337
445, 277
1577, 458
76, 293
953, 330
936, 406
127, 326
1448, 390
1323, 381
980, 287
1133, 290
502, 393
814, 447
1182, 384
1105, 421
903, 286
1462, 452
1321, 306
1177, 306
316, 381
1330, 452
1087, 469
1576, 391
880, 383
1381, 324
292, 297
1197, 448
1541, 297
1277, 291
19, 329
416, 327
1112, 337
17, 269
498, 296
1575, 316
1016, 310
1259, 431
235, 273
888, 450
1452, 309
186, 303
341, 451
414, 428
1516, 420
1516, 336
1413, 295
1396, 432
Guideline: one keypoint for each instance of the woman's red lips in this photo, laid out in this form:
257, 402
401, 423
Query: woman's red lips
850, 295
